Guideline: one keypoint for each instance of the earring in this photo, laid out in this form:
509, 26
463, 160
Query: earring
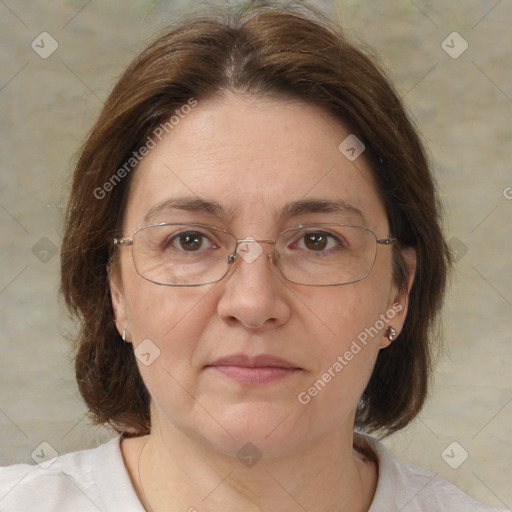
391, 334
124, 335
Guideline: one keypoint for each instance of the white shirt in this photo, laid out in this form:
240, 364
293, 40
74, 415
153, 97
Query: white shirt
96, 480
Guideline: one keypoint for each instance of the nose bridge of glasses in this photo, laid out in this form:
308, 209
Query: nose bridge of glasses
249, 253
253, 240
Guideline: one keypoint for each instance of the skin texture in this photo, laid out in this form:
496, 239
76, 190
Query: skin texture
252, 155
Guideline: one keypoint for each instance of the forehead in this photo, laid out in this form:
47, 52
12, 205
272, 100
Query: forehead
252, 160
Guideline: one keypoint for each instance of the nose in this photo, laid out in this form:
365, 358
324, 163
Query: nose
254, 292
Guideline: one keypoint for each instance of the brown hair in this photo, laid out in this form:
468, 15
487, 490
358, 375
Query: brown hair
293, 52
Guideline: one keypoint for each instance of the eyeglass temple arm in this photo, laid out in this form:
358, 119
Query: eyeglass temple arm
386, 241
123, 241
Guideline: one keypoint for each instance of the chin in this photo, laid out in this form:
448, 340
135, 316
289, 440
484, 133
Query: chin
270, 429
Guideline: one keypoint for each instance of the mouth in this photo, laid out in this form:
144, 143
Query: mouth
261, 369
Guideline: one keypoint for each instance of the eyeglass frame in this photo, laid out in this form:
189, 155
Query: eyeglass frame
128, 241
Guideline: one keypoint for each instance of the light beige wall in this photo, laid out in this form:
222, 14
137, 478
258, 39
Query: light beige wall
464, 108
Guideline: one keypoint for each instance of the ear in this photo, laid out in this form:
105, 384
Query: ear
399, 299
118, 300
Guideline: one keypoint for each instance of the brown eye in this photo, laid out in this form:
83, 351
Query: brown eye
189, 241
316, 241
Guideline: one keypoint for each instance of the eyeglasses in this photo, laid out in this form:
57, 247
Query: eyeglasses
198, 254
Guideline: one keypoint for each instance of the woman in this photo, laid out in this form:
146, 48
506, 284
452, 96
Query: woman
253, 249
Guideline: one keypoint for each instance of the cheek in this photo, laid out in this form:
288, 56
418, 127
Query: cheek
155, 310
171, 318
347, 313
353, 322
167, 326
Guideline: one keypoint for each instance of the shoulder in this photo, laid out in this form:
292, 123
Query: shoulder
82, 481
409, 488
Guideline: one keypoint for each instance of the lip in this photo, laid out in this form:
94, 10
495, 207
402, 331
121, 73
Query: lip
261, 369
263, 360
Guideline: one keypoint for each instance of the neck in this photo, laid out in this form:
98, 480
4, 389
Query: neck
176, 472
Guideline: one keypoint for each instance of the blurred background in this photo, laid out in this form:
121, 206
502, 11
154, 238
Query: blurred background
452, 64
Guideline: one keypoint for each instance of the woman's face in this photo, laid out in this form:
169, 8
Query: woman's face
252, 157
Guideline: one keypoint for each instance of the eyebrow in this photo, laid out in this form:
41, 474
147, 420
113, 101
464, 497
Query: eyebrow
304, 206
191, 204
292, 209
